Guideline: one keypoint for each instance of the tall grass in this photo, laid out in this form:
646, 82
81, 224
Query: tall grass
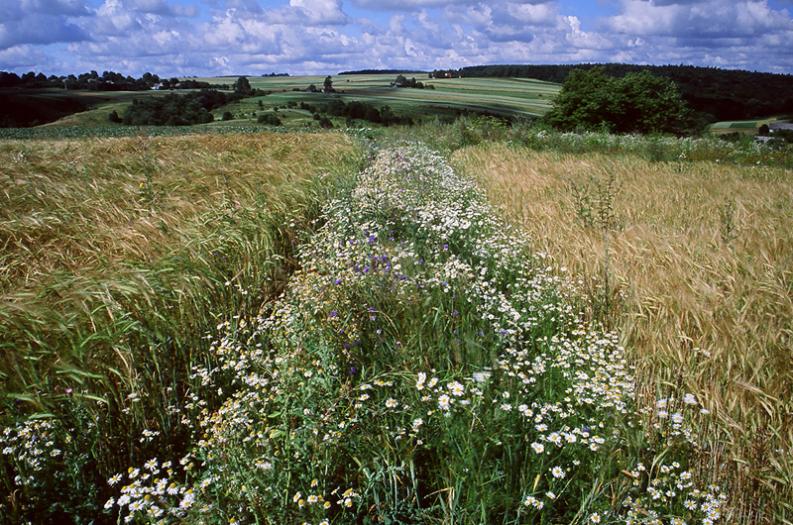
470, 131
698, 279
119, 257
422, 366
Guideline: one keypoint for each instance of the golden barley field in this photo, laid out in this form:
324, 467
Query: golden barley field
113, 249
693, 263
82, 206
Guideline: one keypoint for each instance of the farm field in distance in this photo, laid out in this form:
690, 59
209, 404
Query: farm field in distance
745, 127
514, 98
508, 97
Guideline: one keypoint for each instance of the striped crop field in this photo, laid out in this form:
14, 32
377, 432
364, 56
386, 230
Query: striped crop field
444, 98
743, 127
508, 97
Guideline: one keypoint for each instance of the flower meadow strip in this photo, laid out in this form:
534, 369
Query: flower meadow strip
422, 366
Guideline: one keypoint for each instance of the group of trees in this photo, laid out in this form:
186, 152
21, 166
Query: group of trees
382, 72
107, 81
714, 94
23, 109
242, 86
327, 86
636, 103
403, 82
354, 110
175, 110
184, 110
271, 119
175, 83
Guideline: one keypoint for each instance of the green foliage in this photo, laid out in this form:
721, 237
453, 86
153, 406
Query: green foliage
714, 94
228, 115
364, 111
403, 82
23, 109
468, 130
636, 103
270, 119
176, 110
243, 86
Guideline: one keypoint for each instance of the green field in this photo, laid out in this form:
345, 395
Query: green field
468, 320
503, 97
507, 97
743, 127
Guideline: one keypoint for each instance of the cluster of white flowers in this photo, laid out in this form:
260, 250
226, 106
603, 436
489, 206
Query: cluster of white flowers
153, 493
32, 446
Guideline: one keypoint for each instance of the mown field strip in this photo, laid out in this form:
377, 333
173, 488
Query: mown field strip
420, 357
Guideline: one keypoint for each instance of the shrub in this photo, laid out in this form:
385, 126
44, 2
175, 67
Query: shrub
270, 119
177, 110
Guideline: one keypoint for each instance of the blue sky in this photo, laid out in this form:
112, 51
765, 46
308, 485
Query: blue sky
212, 37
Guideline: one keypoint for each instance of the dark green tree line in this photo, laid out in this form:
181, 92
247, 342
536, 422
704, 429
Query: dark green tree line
636, 103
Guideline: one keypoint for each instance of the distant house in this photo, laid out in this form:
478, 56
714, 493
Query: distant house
780, 126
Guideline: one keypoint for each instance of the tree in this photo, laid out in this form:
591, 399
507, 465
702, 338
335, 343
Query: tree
636, 103
270, 119
227, 115
328, 85
651, 104
585, 101
243, 86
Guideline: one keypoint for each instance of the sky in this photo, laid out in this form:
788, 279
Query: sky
219, 37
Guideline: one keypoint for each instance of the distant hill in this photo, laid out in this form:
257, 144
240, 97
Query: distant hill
22, 109
718, 94
382, 72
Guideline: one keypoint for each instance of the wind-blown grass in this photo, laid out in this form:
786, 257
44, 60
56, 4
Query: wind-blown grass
421, 367
698, 279
470, 131
119, 257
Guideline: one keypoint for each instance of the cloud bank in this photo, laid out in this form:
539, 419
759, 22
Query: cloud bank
212, 37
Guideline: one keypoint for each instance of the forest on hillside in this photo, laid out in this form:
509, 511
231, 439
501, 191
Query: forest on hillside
717, 94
